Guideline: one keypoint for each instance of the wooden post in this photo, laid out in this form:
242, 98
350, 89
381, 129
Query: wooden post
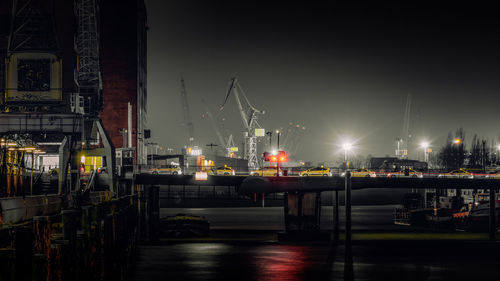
493, 217
348, 208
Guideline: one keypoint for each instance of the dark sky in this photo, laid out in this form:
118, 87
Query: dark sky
342, 72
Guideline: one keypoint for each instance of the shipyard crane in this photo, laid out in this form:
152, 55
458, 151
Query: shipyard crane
87, 74
402, 149
222, 142
186, 114
249, 117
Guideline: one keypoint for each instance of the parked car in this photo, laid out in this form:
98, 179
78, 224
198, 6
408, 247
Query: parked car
362, 173
408, 173
167, 170
222, 171
457, 174
317, 171
266, 172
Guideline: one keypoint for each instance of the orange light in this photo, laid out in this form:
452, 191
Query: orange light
274, 159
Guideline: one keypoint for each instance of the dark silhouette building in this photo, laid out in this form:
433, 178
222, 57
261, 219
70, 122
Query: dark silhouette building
123, 54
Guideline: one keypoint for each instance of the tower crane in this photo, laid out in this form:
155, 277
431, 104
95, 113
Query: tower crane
87, 74
186, 114
249, 117
402, 150
222, 142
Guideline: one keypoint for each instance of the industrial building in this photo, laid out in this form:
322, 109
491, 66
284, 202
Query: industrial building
122, 53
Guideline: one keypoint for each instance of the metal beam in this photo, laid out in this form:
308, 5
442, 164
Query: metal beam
18, 123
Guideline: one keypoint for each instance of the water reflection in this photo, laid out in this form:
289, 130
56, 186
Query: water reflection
283, 262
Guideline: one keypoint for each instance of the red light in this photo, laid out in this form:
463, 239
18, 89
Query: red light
274, 159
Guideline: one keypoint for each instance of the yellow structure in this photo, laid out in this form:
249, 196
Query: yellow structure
33, 77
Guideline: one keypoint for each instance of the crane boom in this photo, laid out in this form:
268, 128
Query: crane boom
186, 114
222, 142
249, 119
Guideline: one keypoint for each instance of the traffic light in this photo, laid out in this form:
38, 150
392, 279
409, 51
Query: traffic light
281, 156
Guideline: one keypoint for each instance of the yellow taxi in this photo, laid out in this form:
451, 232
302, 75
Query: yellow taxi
493, 175
408, 173
457, 174
223, 171
363, 173
167, 170
317, 171
266, 172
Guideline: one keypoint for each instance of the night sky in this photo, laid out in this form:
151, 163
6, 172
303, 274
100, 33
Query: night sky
342, 72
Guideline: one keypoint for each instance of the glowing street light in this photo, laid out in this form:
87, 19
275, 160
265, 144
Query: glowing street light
425, 146
347, 147
457, 141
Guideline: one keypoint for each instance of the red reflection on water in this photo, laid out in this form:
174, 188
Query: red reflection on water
283, 262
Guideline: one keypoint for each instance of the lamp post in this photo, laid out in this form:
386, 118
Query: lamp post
278, 162
497, 154
346, 146
425, 146
270, 134
279, 133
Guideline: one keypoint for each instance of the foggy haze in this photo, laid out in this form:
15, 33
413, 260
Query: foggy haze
341, 72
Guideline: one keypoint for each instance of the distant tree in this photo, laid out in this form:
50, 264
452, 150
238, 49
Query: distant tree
453, 154
475, 153
479, 153
485, 154
434, 162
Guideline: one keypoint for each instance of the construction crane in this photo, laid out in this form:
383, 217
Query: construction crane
249, 117
186, 114
402, 142
222, 142
87, 74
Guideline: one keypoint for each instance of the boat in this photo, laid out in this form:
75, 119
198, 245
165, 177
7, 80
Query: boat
182, 225
477, 217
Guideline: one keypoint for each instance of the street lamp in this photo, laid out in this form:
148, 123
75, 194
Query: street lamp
457, 141
347, 147
278, 162
279, 133
425, 146
270, 134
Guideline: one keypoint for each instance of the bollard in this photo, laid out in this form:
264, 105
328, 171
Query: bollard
61, 267
7, 264
69, 225
24, 253
336, 216
42, 244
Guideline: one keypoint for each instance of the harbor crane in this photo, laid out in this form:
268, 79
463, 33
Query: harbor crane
222, 142
402, 143
186, 114
249, 117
